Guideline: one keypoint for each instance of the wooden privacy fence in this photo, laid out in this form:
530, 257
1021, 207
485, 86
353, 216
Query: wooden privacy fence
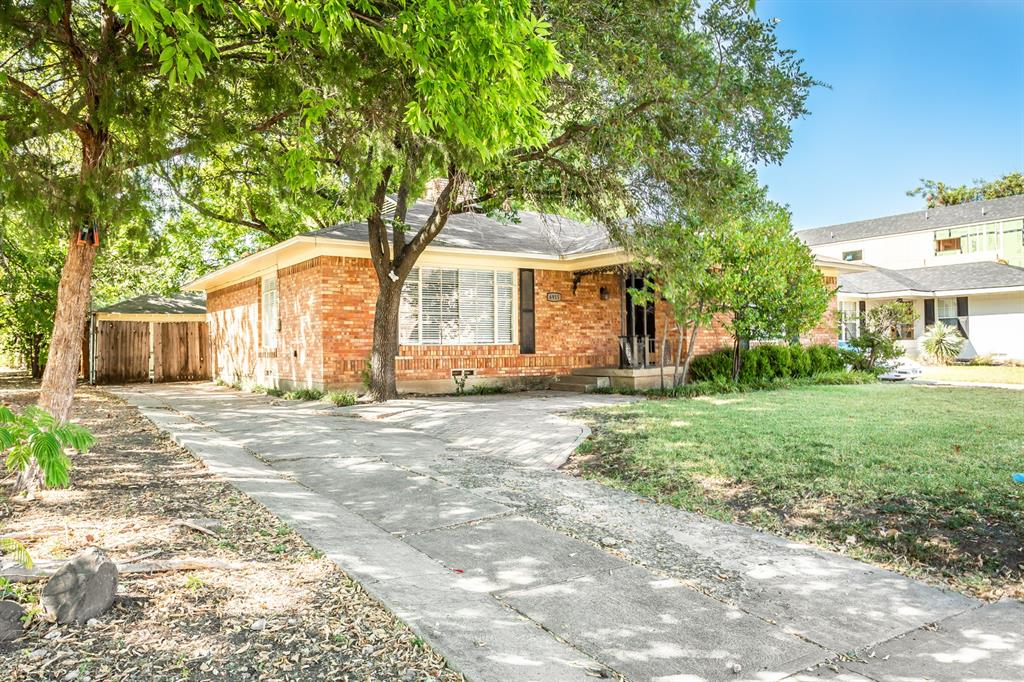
135, 351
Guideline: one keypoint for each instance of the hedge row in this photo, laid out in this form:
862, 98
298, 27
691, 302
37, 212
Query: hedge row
765, 363
724, 386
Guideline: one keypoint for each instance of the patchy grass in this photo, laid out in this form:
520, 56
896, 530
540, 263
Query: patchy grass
913, 478
991, 374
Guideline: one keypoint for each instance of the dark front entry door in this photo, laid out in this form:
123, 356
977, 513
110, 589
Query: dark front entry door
637, 342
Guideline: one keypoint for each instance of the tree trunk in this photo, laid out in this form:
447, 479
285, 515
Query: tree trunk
736, 358
65, 356
661, 357
36, 350
691, 348
383, 384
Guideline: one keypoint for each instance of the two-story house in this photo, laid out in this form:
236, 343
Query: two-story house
962, 265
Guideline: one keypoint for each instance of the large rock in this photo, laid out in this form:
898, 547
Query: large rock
11, 626
82, 589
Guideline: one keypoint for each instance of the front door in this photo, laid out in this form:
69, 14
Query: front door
637, 342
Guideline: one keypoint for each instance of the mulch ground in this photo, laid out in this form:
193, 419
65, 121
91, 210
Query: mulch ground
285, 614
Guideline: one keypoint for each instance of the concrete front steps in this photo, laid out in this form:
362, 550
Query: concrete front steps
579, 383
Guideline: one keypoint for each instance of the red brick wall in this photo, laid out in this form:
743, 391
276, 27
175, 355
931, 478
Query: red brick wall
300, 352
233, 317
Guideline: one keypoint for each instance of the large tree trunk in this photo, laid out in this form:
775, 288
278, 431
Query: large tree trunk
65, 355
383, 383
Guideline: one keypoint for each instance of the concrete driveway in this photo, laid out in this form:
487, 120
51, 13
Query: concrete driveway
450, 512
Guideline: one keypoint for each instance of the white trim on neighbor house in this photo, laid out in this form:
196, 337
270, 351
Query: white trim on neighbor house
911, 232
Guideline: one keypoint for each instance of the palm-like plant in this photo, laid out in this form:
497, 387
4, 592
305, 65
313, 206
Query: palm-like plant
942, 342
35, 437
16, 550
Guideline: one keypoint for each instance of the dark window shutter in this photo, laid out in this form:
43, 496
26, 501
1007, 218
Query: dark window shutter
962, 315
929, 312
527, 316
862, 308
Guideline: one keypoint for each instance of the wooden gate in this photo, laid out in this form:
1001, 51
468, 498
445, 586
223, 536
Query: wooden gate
128, 351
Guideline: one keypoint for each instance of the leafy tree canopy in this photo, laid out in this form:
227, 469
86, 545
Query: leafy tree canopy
937, 193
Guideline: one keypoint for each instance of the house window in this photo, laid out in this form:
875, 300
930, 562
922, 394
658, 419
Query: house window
454, 306
853, 255
269, 321
849, 320
945, 312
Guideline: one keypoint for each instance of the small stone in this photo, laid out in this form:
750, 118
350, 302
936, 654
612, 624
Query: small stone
37, 654
11, 627
369, 649
82, 589
93, 623
851, 539
737, 668
52, 634
72, 675
609, 542
292, 621
258, 625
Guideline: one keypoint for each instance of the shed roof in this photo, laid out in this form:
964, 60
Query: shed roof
933, 218
935, 279
180, 303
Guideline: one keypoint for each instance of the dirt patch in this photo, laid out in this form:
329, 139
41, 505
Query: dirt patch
285, 614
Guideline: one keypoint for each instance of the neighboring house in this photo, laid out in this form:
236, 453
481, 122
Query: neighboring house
990, 230
984, 300
541, 297
962, 265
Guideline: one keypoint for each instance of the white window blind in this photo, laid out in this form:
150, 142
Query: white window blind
452, 306
269, 321
945, 310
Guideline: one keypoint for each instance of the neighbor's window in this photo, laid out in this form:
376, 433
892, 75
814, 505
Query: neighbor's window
853, 255
948, 245
454, 306
269, 311
849, 320
945, 312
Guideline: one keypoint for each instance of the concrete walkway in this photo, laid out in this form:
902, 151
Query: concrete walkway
447, 511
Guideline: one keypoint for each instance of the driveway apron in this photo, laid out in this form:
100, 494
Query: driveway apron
451, 513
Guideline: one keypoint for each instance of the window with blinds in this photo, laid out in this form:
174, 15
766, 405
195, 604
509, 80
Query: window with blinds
269, 294
454, 306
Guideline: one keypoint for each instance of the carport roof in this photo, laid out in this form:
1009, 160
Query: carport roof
180, 303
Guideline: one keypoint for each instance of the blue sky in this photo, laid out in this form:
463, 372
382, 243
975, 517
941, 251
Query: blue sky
918, 89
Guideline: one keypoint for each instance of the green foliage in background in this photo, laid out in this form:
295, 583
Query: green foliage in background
937, 193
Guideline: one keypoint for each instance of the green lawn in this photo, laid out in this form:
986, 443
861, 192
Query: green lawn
911, 477
976, 373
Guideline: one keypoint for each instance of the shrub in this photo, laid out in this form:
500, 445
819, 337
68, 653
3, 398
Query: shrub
799, 362
485, 389
274, 392
304, 394
825, 358
942, 343
341, 398
712, 367
777, 362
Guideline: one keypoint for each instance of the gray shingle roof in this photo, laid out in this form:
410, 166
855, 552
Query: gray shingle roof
535, 233
180, 303
933, 218
935, 279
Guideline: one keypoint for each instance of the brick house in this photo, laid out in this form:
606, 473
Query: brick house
542, 297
